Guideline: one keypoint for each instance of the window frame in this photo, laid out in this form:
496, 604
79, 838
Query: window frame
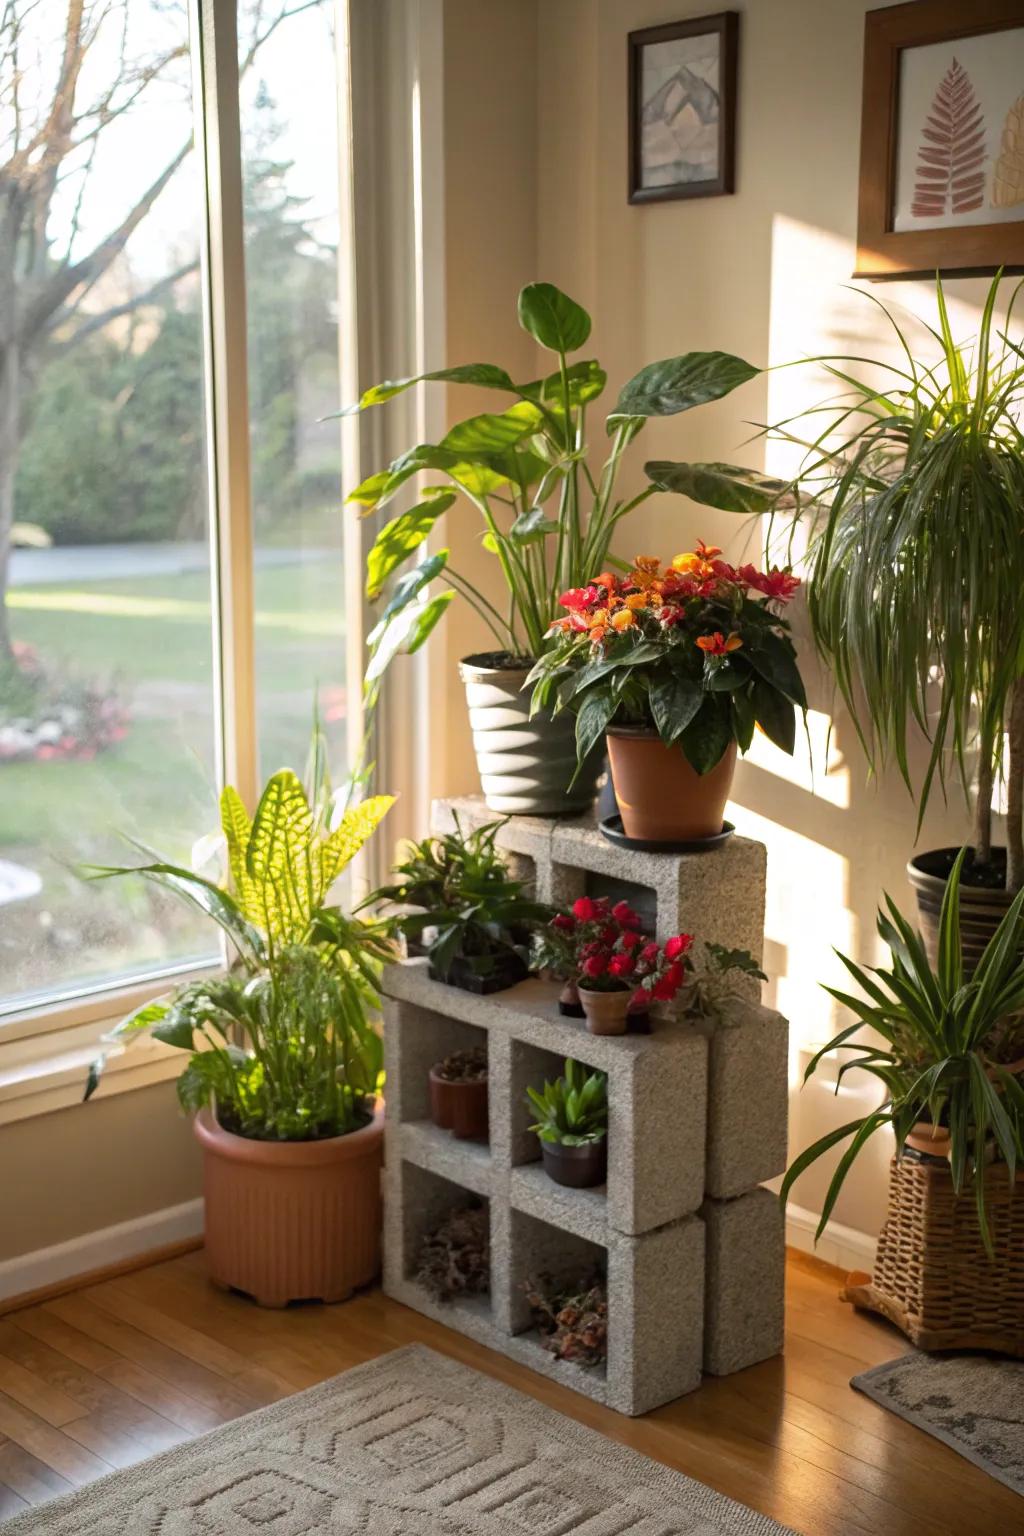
45, 1044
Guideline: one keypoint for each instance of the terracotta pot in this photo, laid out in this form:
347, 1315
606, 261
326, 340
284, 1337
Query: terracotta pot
569, 1005
661, 797
982, 908
459, 1107
292, 1220
576, 1167
930, 1139
606, 1012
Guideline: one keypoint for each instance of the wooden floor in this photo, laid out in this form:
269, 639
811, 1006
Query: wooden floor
113, 1373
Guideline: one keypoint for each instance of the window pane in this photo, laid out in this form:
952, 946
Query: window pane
106, 662
289, 112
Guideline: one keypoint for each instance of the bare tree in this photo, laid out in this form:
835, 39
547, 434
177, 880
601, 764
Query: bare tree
54, 114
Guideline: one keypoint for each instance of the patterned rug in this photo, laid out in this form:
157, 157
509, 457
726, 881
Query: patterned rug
412, 1444
975, 1403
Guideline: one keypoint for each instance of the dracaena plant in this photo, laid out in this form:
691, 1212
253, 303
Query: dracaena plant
951, 1047
698, 652
284, 1043
913, 493
548, 509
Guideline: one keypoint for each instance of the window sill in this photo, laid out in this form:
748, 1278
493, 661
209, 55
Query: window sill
45, 1055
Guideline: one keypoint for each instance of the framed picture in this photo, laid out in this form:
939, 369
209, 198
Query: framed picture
942, 139
682, 109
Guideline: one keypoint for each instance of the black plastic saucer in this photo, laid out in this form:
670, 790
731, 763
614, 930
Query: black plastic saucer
611, 828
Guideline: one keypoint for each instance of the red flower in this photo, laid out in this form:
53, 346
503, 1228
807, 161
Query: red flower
650, 953
776, 585
678, 945
595, 965
609, 934
621, 965
666, 987
623, 913
585, 909
579, 598
630, 939
639, 999
563, 922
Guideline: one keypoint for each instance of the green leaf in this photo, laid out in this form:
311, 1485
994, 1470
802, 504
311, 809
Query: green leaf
774, 714
743, 718
707, 737
396, 540
594, 714
532, 525
674, 701
412, 583
404, 632
552, 318
494, 433
680, 383
773, 657
176, 1029
726, 486
278, 857
485, 375
586, 381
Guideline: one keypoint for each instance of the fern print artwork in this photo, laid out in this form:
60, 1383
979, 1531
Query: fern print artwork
960, 143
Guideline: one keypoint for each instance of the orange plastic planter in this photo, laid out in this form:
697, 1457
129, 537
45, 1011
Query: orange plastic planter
292, 1221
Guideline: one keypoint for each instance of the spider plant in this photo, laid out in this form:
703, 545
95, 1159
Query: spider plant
946, 1042
914, 492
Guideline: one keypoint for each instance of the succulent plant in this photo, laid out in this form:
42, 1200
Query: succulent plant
573, 1110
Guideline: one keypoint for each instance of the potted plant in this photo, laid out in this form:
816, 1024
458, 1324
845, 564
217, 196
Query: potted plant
455, 1258
614, 966
284, 1064
914, 492
675, 667
458, 1094
547, 517
474, 917
951, 1061
572, 1318
710, 993
572, 1126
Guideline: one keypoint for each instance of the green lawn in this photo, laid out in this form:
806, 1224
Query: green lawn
152, 637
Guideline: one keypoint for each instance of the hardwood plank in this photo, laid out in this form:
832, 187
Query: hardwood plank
32, 1480
163, 1398
56, 1450
10, 1502
25, 1387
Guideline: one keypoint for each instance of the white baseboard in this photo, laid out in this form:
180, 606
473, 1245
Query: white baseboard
95, 1250
844, 1247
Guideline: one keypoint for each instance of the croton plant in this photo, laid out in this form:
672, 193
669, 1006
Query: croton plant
697, 650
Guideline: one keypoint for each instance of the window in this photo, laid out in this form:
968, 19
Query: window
109, 651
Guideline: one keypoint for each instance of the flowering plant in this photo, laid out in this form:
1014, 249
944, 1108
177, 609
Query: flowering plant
600, 946
697, 651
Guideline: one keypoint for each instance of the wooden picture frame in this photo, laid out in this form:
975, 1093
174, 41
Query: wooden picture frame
645, 183
968, 248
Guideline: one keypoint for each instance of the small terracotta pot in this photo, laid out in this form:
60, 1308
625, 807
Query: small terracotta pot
607, 1012
459, 1107
661, 798
576, 1167
928, 1138
292, 1220
569, 1005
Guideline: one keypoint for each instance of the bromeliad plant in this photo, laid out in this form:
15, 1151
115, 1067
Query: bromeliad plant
573, 1110
463, 890
949, 1043
547, 514
283, 1045
698, 652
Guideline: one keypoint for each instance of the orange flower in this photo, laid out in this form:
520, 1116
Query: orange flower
606, 580
636, 600
624, 619
645, 570
717, 644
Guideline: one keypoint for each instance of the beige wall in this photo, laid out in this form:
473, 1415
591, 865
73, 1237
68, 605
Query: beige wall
759, 273
79, 1170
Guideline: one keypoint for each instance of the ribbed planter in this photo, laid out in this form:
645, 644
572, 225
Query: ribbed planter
459, 1107
661, 797
292, 1220
525, 765
982, 908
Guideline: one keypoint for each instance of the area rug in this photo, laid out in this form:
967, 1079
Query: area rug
411, 1444
975, 1403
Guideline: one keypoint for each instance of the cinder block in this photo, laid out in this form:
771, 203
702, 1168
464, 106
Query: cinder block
748, 1099
744, 1282
657, 1282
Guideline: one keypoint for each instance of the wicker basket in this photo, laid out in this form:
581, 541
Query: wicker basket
933, 1278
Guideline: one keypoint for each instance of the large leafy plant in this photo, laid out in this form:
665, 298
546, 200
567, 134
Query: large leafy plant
914, 493
698, 652
548, 516
946, 1042
283, 1044
573, 1110
464, 892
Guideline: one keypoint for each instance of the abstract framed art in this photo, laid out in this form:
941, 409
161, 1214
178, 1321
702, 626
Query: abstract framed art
942, 139
682, 108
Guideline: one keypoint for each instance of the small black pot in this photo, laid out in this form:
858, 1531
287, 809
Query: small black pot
576, 1167
509, 969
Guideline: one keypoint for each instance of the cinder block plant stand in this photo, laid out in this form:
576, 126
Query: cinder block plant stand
691, 1248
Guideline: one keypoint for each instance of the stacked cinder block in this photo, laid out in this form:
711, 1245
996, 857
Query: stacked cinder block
691, 1247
